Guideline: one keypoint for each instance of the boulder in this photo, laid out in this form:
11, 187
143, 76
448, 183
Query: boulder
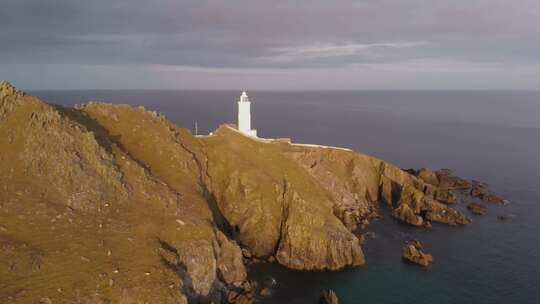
413, 253
234, 297
329, 297
493, 199
265, 292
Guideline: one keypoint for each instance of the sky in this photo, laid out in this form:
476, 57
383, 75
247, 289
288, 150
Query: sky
271, 45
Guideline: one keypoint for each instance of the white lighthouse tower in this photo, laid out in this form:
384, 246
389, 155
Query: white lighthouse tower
244, 116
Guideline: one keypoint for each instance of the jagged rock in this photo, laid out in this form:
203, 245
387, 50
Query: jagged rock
229, 260
325, 244
416, 243
476, 209
246, 253
406, 214
445, 196
413, 204
412, 252
428, 176
329, 297
479, 191
492, 198
234, 297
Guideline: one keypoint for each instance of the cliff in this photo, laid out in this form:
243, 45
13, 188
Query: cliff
111, 203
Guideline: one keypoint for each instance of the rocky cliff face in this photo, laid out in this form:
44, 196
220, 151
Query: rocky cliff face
275, 206
111, 203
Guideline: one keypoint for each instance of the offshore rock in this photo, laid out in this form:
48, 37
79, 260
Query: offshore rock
412, 252
476, 208
480, 191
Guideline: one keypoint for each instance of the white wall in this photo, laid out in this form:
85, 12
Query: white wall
244, 116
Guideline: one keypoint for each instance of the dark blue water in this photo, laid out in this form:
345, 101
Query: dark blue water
489, 136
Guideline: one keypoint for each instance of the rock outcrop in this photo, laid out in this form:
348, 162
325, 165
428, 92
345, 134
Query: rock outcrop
329, 297
476, 208
481, 192
230, 261
413, 253
415, 206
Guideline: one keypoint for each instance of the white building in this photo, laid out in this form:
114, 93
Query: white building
244, 116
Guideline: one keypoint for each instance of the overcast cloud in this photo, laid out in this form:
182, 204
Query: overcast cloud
304, 44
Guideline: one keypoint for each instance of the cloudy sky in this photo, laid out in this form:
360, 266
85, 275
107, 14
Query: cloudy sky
302, 44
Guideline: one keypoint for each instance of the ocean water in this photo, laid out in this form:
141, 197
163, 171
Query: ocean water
489, 136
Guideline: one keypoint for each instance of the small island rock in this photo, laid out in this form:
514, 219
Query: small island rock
476, 208
412, 252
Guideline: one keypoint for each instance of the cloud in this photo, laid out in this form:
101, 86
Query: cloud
306, 52
262, 37
444, 74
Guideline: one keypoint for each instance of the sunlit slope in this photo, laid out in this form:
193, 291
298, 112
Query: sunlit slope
81, 218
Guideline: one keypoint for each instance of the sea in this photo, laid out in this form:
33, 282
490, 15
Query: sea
491, 136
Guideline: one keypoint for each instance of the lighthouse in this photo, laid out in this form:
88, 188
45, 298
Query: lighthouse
244, 116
